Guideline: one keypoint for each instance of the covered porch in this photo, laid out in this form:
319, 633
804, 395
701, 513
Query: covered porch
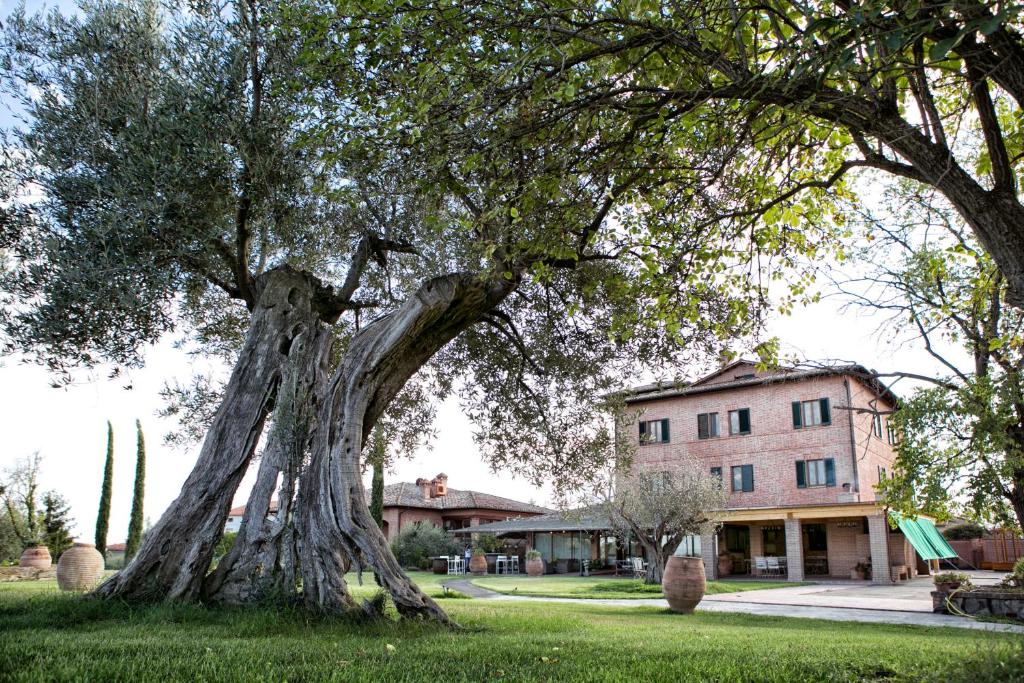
844, 541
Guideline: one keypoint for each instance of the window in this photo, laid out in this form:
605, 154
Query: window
815, 473
816, 538
717, 471
890, 433
743, 478
654, 431
739, 421
811, 413
876, 425
707, 425
773, 540
882, 474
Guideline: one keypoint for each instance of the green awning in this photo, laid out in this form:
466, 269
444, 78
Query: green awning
943, 549
925, 538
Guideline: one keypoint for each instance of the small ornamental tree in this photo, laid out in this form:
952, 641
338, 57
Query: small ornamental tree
103, 515
19, 492
56, 524
138, 495
660, 507
415, 545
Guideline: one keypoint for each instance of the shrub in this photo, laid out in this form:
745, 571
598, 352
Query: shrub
951, 577
1018, 568
490, 543
415, 545
964, 532
224, 545
533, 554
478, 552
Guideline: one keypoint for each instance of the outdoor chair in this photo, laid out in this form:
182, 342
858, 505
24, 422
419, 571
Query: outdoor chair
774, 568
501, 565
513, 564
639, 570
760, 566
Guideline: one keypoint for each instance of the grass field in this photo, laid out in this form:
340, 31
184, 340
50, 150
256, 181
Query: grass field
49, 636
598, 587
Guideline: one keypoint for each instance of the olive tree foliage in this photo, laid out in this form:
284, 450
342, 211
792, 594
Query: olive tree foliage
661, 505
961, 432
806, 92
316, 193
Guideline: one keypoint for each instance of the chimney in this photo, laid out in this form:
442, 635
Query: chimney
439, 486
424, 486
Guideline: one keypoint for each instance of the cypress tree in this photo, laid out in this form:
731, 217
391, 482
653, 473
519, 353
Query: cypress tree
135, 523
56, 524
377, 485
103, 518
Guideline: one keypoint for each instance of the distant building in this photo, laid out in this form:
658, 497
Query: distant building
430, 502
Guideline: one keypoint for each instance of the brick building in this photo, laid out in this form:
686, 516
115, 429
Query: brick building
800, 453
430, 501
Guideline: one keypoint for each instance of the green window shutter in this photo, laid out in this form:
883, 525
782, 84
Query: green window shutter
744, 420
664, 430
797, 416
801, 474
702, 426
643, 432
826, 412
830, 472
748, 477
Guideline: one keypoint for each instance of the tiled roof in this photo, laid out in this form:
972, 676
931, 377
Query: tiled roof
240, 510
650, 392
406, 494
116, 547
570, 520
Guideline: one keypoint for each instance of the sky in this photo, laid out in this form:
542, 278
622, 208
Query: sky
67, 425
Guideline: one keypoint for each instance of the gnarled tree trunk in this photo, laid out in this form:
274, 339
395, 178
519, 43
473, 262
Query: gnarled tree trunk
175, 555
263, 562
336, 521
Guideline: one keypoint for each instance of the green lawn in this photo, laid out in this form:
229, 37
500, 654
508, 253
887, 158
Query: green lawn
49, 636
598, 587
428, 582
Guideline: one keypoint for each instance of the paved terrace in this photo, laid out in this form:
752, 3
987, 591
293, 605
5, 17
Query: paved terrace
908, 603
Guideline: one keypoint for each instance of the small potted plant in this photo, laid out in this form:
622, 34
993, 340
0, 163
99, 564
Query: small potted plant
534, 563
950, 581
478, 563
862, 570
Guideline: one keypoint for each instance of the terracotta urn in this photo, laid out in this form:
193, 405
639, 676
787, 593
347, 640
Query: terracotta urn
535, 567
80, 568
683, 583
37, 556
439, 565
478, 564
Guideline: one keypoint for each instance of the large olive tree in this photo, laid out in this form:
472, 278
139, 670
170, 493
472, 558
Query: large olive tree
253, 177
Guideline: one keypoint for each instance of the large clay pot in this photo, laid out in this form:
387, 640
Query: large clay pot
439, 565
683, 583
80, 568
478, 564
535, 567
37, 556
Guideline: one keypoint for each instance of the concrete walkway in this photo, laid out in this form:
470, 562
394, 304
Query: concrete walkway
762, 603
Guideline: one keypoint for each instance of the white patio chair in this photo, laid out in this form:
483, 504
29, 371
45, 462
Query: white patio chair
773, 566
639, 570
760, 566
514, 564
501, 565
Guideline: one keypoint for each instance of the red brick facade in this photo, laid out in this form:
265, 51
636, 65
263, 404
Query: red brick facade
825, 522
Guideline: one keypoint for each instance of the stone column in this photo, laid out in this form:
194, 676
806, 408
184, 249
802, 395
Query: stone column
878, 540
794, 550
709, 553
